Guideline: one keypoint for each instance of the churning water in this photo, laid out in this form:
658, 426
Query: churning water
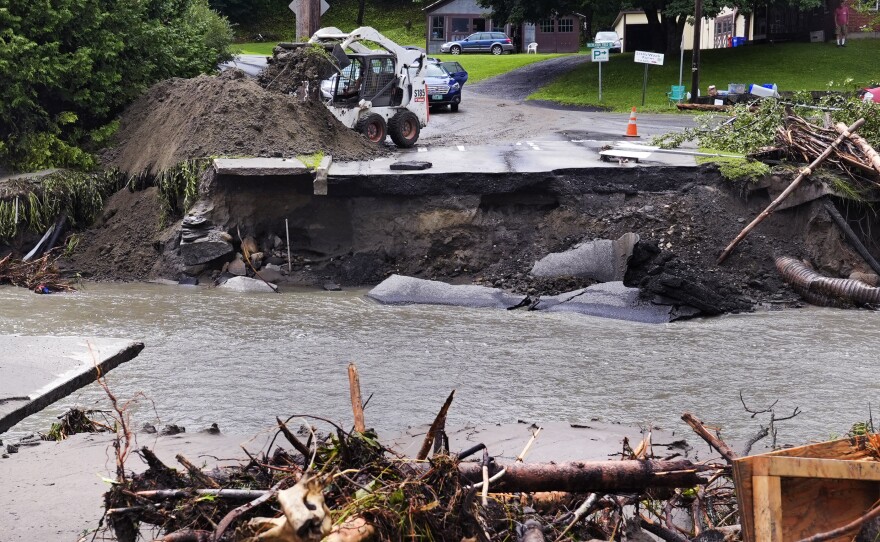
240, 360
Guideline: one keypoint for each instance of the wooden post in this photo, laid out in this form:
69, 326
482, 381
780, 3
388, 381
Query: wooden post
806, 172
308, 20
695, 51
357, 405
767, 491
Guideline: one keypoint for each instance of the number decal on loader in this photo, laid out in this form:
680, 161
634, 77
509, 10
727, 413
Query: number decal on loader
419, 95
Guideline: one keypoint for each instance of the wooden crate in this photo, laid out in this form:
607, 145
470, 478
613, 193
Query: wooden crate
788, 495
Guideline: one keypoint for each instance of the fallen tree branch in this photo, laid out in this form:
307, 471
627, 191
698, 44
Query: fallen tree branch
234, 514
863, 145
591, 476
805, 172
713, 441
436, 427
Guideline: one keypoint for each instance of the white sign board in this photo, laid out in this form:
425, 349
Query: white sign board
599, 55
646, 57
324, 6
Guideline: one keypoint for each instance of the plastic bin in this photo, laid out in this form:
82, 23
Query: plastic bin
765, 91
737, 41
736, 88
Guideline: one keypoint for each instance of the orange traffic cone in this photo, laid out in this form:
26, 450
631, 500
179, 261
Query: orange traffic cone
631, 129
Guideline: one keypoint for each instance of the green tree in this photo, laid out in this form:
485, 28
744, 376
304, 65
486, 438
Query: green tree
69, 67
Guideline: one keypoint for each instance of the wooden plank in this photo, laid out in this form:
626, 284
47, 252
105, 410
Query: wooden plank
808, 467
812, 506
625, 154
743, 469
768, 508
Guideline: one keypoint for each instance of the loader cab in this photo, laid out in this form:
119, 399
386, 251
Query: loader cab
370, 77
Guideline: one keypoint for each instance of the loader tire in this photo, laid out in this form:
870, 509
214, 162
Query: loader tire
404, 129
373, 127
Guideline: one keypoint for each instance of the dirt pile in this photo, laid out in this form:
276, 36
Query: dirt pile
123, 243
227, 115
290, 67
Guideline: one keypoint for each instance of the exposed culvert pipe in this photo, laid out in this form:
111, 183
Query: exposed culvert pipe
825, 291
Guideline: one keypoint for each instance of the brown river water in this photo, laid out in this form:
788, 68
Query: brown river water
240, 360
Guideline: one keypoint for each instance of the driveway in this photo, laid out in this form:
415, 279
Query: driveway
495, 110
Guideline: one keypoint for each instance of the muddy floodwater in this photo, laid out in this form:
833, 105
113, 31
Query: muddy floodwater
240, 360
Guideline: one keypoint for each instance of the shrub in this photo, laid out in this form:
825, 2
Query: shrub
69, 66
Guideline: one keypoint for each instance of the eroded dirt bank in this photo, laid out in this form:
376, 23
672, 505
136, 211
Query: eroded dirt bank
490, 232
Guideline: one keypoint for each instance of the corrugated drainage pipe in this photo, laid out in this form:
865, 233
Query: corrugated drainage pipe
820, 290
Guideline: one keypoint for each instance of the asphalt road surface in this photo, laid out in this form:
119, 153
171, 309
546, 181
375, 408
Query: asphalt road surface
496, 111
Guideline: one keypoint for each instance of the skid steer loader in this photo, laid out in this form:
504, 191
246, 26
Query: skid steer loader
376, 92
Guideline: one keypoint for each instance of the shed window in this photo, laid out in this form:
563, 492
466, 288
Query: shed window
437, 28
546, 26
460, 25
566, 25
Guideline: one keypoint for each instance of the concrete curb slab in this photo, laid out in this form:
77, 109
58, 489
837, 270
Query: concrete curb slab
36, 371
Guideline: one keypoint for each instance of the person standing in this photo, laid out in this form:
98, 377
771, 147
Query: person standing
841, 20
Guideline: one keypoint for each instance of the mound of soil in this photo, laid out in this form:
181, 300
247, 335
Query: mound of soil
122, 244
227, 115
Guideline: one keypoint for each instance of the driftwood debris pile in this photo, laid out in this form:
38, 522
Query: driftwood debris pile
347, 487
804, 142
39, 275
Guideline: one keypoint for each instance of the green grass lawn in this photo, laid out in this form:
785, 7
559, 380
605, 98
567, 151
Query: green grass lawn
254, 48
483, 66
792, 66
479, 67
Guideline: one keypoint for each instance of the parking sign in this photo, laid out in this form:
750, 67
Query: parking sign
600, 55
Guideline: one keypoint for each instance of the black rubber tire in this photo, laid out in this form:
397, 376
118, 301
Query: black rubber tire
404, 129
497, 50
455, 49
453, 107
373, 127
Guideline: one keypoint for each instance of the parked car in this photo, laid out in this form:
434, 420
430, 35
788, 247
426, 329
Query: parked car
480, 42
445, 80
610, 37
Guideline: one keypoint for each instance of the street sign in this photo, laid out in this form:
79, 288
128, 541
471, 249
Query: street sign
599, 55
294, 6
601, 45
646, 57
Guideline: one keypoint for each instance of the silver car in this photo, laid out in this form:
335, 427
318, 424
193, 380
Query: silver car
480, 42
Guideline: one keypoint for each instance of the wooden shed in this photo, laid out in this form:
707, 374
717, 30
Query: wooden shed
451, 20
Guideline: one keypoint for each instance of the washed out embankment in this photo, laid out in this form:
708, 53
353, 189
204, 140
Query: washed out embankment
490, 230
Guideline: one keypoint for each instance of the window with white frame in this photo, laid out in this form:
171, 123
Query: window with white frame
547, 25
566, 25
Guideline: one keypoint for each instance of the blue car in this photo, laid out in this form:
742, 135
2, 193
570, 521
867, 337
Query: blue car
480, 42
445, 80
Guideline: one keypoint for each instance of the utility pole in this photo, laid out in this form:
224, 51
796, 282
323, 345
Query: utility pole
695, 52
308, 19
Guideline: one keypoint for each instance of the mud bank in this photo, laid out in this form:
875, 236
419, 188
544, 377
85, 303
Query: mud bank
490, 230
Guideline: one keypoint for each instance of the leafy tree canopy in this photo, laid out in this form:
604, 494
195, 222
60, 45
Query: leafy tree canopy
69, 66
